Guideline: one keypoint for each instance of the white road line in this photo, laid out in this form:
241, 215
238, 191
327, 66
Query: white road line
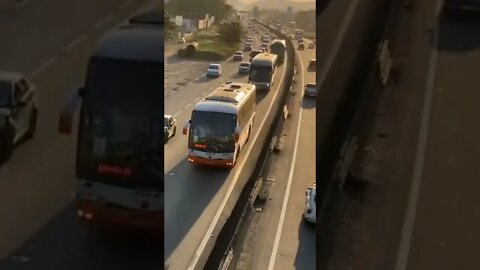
126, 4
276, 244
406, 238
188, 105
43, 66
178, 113
102, 22
23, 3
75, 42
211, 227
336, 47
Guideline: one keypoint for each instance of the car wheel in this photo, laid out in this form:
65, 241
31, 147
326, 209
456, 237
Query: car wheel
33, 124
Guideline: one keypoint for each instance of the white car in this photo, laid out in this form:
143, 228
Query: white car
238, 56
310, 213
310, 90
214, 70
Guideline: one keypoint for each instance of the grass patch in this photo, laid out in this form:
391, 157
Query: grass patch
218, 47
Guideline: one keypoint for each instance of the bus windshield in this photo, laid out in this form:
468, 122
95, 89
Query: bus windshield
120, 120
260, 74
212, 132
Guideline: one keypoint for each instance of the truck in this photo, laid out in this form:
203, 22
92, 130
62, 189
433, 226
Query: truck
279, 48
119, 160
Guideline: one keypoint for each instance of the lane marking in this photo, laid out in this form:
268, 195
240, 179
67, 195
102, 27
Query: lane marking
188, 105
409, 222
338, 41
211, 227
43, 66
23, 3
178, 113
278, 234
103, 21
74, 42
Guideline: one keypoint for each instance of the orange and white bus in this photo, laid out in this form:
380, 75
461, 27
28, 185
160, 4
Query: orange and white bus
221, 125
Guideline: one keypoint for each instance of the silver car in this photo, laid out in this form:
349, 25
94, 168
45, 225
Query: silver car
310, 213
214, 70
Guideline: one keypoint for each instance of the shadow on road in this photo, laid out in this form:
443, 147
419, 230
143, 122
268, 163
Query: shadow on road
309, 103
458, 34
190, 189
305, 258
65, 243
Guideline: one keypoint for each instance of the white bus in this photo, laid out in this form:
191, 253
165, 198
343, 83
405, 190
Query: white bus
221, 125
262, 70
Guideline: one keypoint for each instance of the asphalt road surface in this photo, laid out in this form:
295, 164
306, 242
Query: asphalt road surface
421, 211
277, 237
50, 41
194, 194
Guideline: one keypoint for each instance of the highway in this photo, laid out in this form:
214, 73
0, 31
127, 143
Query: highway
50, 41
195, 194
422, 211
291, 245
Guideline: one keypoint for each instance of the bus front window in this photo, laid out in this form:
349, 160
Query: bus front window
260, 74
212, 132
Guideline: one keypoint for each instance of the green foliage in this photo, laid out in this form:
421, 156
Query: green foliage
198, 8
230, 33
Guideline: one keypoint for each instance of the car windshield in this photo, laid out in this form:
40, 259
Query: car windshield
5, 94
212, 132
311, 85
213, 67
245, 64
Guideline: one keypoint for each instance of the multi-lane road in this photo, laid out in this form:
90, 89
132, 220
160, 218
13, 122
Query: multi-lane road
196, 195
50, 41
277, 237
422, 212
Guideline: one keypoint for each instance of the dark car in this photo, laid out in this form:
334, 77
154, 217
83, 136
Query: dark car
301, 46
18, 111
254, 53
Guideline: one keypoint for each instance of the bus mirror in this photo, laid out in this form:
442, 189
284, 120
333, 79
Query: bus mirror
185, 127
67, 113
236, 135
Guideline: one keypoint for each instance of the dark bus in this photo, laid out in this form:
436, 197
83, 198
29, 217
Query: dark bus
119, 162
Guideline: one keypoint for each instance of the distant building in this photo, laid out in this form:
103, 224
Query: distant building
289, 13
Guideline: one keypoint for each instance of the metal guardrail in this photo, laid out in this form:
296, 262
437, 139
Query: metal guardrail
231, 253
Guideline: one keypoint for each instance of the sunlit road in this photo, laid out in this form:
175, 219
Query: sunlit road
50, 40
297, 241
296, 249
193, 194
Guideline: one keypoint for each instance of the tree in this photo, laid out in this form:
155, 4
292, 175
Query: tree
231, 33
170, 27
198, 8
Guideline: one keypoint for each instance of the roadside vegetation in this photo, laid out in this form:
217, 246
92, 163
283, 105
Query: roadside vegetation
216, 43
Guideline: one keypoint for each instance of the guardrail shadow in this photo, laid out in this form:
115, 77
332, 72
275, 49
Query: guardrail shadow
186, 199
458, 33
67, 244
305, 258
